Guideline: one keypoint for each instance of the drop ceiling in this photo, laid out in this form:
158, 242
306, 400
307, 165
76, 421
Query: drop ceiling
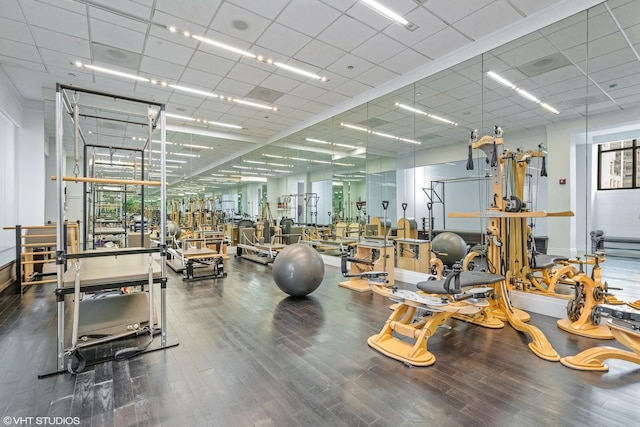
358, 50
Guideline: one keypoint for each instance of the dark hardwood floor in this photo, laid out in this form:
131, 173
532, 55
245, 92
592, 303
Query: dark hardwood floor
251, 356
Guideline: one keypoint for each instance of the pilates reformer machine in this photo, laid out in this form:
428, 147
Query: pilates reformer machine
372, 264
94, 281
256, 249
205, 251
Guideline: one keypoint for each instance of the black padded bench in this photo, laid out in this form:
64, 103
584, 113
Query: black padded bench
543, 262
454, 282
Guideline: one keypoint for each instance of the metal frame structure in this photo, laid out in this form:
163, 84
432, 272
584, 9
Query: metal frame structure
64, 105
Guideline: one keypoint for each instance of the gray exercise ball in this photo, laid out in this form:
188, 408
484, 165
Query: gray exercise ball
298, 270
173, 229
451, 245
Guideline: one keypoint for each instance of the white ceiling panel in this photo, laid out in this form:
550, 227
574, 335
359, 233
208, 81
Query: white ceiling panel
196, 11
378, 48
239, 22
352, 88
72, 46
211, 63
54, 18
167, 50
269, 9
11, 10
350, 66
308, 17
113, 35
440, 43
192, 77
19, 50
117, 20
15, 30
405, 61
368, 16
452, 11
248, 74
284, 40
498, 11
529, 7
346, 33
428, 24
319, 54
153, 67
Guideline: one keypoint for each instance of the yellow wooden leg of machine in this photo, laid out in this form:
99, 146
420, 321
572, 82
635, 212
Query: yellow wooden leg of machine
593, 358
400, 322
584, 304
539, 344
635, 304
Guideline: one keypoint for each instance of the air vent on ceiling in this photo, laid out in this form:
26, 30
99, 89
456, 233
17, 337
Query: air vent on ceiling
264, 94
544, 65
115, 56
587, 100
373, 122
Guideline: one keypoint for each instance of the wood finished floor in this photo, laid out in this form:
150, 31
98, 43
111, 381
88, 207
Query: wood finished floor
251, 356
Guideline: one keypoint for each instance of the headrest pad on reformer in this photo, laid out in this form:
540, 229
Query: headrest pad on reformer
467, 279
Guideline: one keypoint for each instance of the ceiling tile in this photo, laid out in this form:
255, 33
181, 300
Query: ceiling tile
120, 21
405, 61
428, 24
498, 11
627, 14
248, 74
193, 77
113, 35
15, 30
280, 83
319, 54
11, 9
346, 33
269, 9
453, 10
211, 63
308, 92
291, 101
442, 42
178, 98
352, 88
239, 23
529, 7
167, 50
55, 18
363, 13
196, 11
19, 50
153, 67
73, 46
332, 98
527, 53
378, 48
235, 88
308, 17
350, 66
282, 39
376, 76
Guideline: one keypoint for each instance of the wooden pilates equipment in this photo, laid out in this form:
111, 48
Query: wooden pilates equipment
113, 181
418, 315
507, 233
373, 260
624, 323
414, 254
589, 293
31, 238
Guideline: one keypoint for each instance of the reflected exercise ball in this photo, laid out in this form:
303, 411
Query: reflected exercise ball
298, 270
173, 229
451, 245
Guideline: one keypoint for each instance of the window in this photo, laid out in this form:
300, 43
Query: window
619, 165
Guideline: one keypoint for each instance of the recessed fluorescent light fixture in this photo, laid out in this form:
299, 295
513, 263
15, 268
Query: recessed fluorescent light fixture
335, 144
177, 116
253, 104
226, 125
500, 79
109, 71
299, 71
194, 91
185, 154
385, 11
257, 162
385, 135
204, 147
424, 113
224, 46
175, 161
522, 92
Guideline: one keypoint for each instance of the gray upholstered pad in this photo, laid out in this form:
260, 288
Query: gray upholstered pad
112, 269
467, 278
547, 261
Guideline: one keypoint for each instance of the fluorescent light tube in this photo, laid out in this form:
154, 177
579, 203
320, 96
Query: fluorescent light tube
114, 72
177, 116
406, 107
253, 104
319, 141
185, 154
297, 70
527, 95
194, 91
500, 79
348, 126
205, 147
224, 46
386, 12
549, 107
226, 125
